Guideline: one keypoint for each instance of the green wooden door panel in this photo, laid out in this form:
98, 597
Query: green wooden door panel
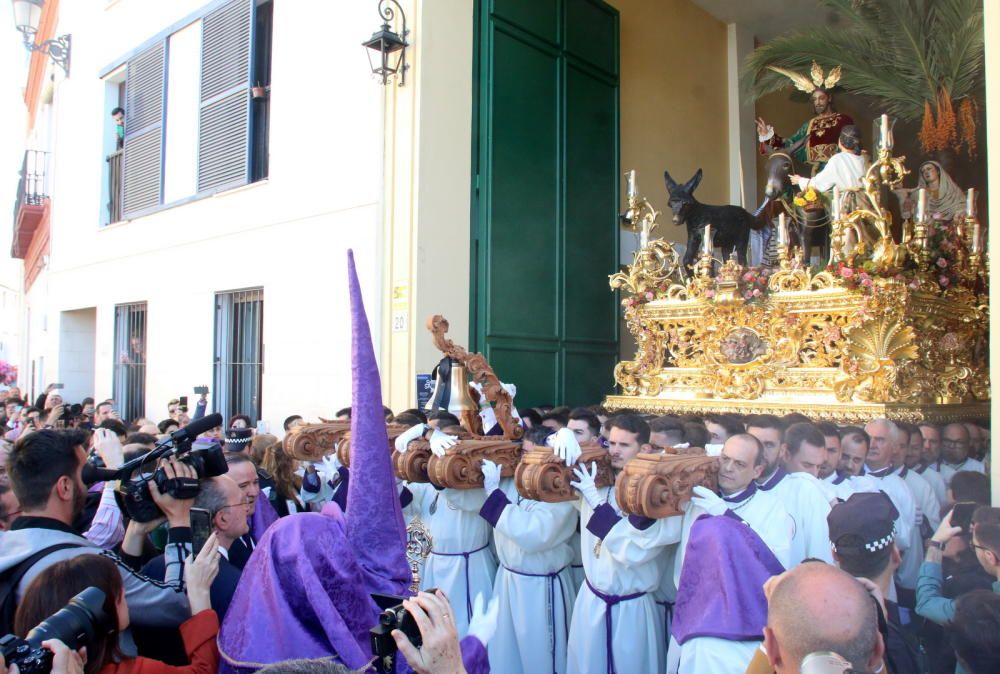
585, 372
540, 17
592, 33
545, 231
524, 192
536, 373
589, 241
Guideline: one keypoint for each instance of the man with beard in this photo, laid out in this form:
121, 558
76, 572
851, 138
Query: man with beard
834, 482
816, 140
796, 487
45, 473
915, 460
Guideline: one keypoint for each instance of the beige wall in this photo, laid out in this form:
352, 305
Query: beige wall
673, 101
428, 167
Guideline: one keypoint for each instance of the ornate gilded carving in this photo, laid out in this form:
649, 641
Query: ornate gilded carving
461, 466
542, 476
885, 329
657, 485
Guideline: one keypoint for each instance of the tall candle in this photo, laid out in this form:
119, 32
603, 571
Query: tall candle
922, 205
836, 202
977, 237
782, 230
970, 203
706, 242
885, 133
630, 187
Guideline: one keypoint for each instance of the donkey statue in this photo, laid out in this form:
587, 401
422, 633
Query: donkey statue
731, 225
811, 225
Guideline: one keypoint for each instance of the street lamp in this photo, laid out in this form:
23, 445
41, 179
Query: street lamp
27, 16
390, 46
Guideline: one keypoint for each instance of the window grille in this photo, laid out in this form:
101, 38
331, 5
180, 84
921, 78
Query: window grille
239, 352
129, 389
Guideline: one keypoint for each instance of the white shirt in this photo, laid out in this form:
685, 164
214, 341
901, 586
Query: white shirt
948, 470
809, 506
844, 170
936, 482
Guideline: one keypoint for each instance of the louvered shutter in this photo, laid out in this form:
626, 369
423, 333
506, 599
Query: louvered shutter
143, 155
224, 131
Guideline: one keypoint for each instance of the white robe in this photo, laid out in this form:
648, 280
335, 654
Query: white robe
948, 471
766, 514
936, 482
836, 488
808, 505
908, 538
845, 170
928, 505
626, 564
452, 518
533, 624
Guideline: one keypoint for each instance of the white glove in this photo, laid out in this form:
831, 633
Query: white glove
585, 483
565, 444
708, 500
441, 441
328, 468
511, 389
713, 450
484, 618
767, 136
407, 436
491, 476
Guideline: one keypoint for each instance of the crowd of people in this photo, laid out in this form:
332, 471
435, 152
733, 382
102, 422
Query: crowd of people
819, 538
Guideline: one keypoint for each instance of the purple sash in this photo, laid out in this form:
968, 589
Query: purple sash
609, 602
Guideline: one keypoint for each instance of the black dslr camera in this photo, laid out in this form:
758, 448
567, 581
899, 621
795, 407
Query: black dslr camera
76, 625
393, 617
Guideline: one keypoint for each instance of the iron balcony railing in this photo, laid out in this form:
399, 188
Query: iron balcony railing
33, 188
114, 186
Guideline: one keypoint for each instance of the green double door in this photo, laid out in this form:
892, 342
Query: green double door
545, 200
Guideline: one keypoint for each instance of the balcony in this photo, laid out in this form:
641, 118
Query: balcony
31, 215
114, 186
32, 205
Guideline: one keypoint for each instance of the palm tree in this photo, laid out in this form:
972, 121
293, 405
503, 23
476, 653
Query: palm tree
919, 57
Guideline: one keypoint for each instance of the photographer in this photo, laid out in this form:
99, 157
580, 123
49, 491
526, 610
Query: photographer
45, 473
58, 584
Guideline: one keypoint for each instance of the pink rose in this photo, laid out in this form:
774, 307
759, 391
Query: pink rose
756, 292
748, 276
747, 295
914, 285
630, 301
709, 293
941, 262
944, 281
866, 282
649, 295
846, 272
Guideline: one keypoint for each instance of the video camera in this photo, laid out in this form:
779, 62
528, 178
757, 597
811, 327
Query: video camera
208, 460
393, 617
77, 624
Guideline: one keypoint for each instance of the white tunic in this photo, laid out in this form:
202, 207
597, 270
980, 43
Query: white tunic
908, 538
808, 505
836, 487
626, 563
936, 482
948, 470
844, 170
766, 514
461, 563
534, 584
928, 505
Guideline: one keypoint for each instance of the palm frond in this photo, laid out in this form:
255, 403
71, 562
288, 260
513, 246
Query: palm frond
903, 52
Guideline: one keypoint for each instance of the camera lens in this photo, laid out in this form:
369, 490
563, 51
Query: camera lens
77, 623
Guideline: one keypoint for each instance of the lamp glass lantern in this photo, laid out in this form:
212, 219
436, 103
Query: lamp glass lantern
27, 16
386, 53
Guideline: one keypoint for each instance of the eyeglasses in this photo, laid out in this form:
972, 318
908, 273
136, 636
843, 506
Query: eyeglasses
954, 443
983, 548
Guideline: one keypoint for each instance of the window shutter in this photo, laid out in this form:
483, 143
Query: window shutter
143, 154
224, 132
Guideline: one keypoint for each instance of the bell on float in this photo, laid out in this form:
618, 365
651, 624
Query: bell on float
451, 389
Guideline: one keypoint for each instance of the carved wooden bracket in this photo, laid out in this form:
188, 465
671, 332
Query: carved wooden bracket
542, 476
311, 442
461, 466
480, 371
657, 485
